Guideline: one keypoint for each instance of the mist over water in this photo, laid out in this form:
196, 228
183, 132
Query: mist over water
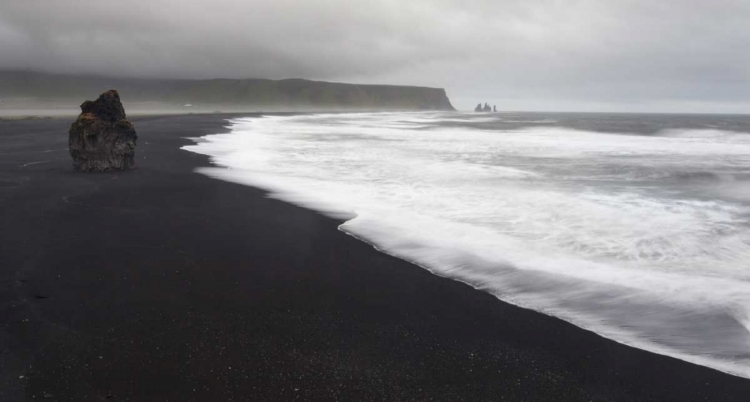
634, 226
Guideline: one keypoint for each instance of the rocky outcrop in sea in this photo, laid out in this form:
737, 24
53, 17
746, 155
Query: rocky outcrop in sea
485, 108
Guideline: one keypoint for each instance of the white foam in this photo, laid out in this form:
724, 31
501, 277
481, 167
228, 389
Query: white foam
553, 219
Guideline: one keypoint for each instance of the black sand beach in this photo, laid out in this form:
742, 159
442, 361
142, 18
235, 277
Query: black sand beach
162, 284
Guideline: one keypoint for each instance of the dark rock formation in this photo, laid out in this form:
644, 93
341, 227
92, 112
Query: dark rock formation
485, 108
101, 138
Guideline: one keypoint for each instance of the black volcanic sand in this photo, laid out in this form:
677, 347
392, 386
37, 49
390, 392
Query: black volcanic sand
162, 284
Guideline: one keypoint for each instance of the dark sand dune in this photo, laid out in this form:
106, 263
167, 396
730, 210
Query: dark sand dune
163, 284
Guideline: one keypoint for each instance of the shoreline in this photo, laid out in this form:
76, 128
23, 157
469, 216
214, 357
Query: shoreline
153, 283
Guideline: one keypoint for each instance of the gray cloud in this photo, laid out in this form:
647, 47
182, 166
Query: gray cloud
629, 55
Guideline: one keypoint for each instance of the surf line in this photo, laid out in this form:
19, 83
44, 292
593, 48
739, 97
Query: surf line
33, 163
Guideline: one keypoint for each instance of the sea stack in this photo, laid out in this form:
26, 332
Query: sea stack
101, 138
485, 108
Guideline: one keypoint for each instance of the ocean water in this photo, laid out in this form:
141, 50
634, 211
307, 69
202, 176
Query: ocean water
636, 227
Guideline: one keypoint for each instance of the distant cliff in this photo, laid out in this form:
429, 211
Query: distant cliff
258, 93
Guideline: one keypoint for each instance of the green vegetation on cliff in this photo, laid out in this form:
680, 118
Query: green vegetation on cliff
282, 94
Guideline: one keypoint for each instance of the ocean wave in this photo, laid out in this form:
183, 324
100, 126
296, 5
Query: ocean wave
516, 214
702, 176
709, 133
543, 121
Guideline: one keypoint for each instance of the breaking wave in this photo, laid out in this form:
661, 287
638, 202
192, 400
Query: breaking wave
635, 237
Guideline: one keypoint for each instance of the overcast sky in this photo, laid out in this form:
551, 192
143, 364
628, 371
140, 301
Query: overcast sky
596, 55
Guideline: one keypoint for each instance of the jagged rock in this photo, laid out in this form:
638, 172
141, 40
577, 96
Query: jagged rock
485, 108
101, 138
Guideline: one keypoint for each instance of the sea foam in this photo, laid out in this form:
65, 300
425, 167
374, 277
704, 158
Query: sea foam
598, 229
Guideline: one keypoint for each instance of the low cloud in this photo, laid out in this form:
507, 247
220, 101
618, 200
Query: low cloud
630, 55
